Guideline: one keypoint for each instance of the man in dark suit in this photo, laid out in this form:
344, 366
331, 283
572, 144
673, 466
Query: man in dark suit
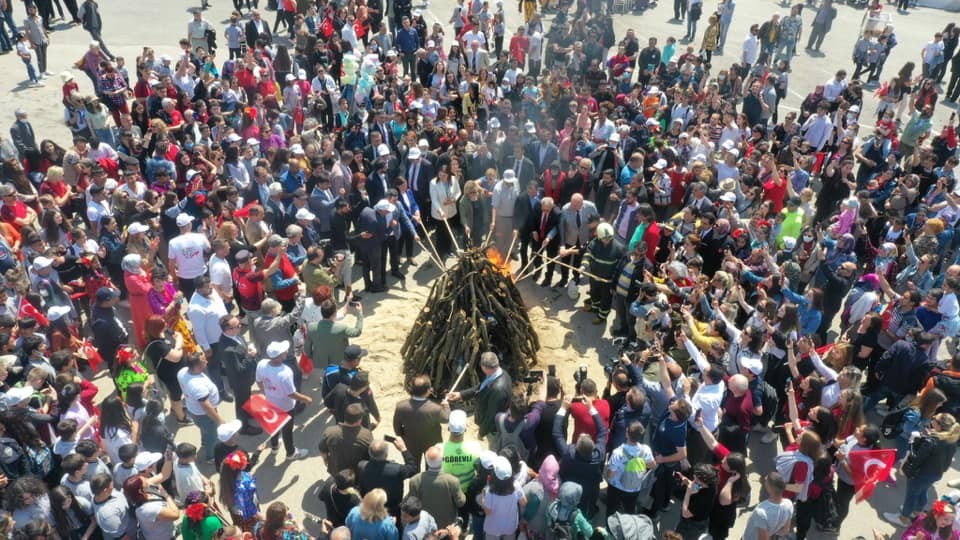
380, 472
543, 152
525, 205
372, 225
379, 180
321, 202
239, 365
544, 227
493, 396
711, 243
276, 213
522, 165
259, 189
21, 132
419, 172
381, 126
257, 28
479, 161
419, 419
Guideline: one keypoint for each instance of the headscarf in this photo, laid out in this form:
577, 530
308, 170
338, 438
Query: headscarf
131, 263
549, 476
841, 251
568, 500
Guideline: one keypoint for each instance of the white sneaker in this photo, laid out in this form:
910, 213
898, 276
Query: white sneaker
300, 453
769, 437
36, 83
48, 73
895, 518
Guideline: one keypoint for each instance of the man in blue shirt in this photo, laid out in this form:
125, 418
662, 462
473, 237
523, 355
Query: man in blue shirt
408, 41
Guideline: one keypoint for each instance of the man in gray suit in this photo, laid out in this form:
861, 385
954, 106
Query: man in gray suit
22, 134
321, 204
574, 234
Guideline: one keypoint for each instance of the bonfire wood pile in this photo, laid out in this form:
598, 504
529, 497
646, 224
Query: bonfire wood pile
472, 308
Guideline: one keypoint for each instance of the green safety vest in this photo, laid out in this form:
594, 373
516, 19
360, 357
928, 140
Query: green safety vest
459, 459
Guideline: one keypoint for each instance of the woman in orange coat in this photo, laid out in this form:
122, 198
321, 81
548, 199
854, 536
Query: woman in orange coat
138, 285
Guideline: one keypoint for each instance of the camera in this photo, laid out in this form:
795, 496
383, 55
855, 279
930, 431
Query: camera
535, 376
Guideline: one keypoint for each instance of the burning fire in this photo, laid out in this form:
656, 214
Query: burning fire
498, 261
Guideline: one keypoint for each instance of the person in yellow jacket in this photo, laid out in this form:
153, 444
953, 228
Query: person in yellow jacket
711, 37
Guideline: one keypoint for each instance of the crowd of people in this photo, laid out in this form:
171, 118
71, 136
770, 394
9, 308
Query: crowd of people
790, 278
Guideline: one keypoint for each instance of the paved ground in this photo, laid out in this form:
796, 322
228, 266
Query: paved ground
570, 339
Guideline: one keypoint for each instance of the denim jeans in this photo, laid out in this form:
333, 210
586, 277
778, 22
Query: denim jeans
32, 73
8, 19
691, 28
915, 498
208, 434
5, 43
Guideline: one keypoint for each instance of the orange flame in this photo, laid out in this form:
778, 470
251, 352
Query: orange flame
498, 261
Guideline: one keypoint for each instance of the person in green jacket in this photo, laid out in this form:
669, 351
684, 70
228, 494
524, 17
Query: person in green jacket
563, 512
199, 520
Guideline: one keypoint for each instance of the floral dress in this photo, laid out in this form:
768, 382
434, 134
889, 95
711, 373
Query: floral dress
175, 321
290, 531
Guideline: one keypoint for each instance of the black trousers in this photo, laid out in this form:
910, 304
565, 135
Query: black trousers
574, 261
845, 494
286, 433
73, 9
803, 515
538, 260
679, 9
391, 249
953, 88
241, 394
372, 260
722, 519
186, 287
621, 501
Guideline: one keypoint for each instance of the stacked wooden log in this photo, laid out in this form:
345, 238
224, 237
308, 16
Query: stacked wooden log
473, 307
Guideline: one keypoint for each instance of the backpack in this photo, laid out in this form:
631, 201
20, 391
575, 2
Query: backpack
40, 461
919, 450
633, 473
562, 529
892, 425
511, 438
825, 511
13, 460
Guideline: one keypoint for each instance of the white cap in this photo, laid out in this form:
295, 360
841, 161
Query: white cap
110, 185
660, 164
275, 188
458, 421
253, 142
302, 74
494, 123
233, 137
530, 127
423, 144
614, 138
734, 152
789, 243
96, 43
145, 460
14, 396
184, 219
502, 468
163, 57
391, 53
509, 176
384, 205
728, 197
136, 228
227, 430
431, 43
652, 122
296, 149
413, 153
55, 313
417, 13
277, 348
42, 262
752, 364
487, 457
290, 77
727, 144
653, 90
383, 150
305, 213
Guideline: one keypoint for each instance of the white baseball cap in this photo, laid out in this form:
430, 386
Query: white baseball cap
413, 153
184, 219
145, 460
227, 430
277, 348
458, 421
136, 228
509, 176
502, 468
305, 213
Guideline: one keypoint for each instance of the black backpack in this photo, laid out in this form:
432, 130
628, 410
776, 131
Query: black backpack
892, 425
564, 530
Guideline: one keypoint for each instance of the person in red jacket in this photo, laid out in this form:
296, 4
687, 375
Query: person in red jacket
284, 282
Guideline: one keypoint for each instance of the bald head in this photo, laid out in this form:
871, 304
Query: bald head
434, 457
576, 201
340, 533
738, 385
378, 450
953, 270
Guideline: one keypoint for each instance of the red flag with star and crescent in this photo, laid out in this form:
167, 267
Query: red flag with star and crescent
29, 310
268, 415
868, 468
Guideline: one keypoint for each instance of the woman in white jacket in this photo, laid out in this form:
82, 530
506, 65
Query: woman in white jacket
444, 194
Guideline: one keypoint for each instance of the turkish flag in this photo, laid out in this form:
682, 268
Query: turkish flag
869, 467
27, 310
270, 418
92, 355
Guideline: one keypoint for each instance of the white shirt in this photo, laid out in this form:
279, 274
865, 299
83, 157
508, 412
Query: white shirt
817, 130
474, 35
186, 251
751, 47
277, 384
931, 50
622, 455
197, 389
204, 314
220, 272
97, 211
833, 88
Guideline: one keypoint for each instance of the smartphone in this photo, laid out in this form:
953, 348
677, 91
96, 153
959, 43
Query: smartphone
699, 416
389, 438
536, 373
552, 370
577, 399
